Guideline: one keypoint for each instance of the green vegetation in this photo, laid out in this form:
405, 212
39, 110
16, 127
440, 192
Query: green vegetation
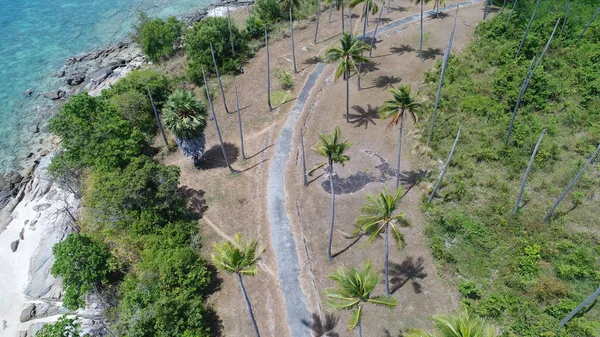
285, 79
157, 38
462, 325
525, 274
64, 327
185, 115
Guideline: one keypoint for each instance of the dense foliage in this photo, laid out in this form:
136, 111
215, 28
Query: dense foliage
185, 115
64, 327
525, 274
83, 264
214, 30
158, 38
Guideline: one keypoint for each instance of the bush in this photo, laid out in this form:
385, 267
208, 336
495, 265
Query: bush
157, 38
268, 11
64, 327
139, 80
136, 108
469, 289
255, 27
285, 79
83, 263
214, 30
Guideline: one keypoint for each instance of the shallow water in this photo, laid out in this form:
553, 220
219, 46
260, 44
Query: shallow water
36, 36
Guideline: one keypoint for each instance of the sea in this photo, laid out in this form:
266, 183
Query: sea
36, 36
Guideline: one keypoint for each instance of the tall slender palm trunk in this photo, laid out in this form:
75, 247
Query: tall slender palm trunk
293, 44
421, 44
248, 305
350, 20
237, 105
589, 24
359, 328
212, 109
511, 11
537, 5
388, 7
162, 132
230, 32
347, 96
566, 16
400, 131
485, 9
537, 146
212, 53
330, 12
268, 71
332, 211
503, 6
343, 20
374, 37
318, 17
386, 261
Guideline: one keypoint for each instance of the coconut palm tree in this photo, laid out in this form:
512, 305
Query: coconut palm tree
377, 216
339, 5
369, 6
240, 258
347, 56
212, 53
229, 23
289, 5
332, 148
403, 102
268, 70
421, 2
374, 37
437, 5
462, 325
186, 117
353, 291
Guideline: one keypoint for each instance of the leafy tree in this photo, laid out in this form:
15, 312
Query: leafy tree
83, 263
353, 291
288, 6
332, 148
94, 134
347, 56
186, 117
64, 327
214, 30
377, 216
240, 258
403, 102
139, 81
462, 325
157, 38
268, 11
136, 108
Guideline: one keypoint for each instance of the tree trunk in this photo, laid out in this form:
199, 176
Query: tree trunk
318, 17
537, 4
366, 19
485, 9
573, 182
359, 328
421, 44
212, 52
521, 93
566, 16
248, 306
330, 11
304, 178
512, 11
268, 71
503, 5
248, 9
437, 185
589, 23
386, 260
374, 37
162, 132
212, 109
350, 20
358, 74
537, 146
388, 7
400, 131
348, 96
230, 32
293, 44
237, 105
332, 211
580, 306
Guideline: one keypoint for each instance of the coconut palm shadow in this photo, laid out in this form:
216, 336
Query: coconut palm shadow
408, 270
213, 157
364, 117
431, 53
385, 81
440, 15
313, 60
399, 9
402, 49
322, 328
196, 202
369, 67
355, 241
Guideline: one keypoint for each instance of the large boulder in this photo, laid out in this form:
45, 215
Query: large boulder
75, 79
54, 94
101, 74
27, 313
14, 245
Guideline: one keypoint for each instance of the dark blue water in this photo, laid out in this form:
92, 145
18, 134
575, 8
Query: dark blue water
36, 36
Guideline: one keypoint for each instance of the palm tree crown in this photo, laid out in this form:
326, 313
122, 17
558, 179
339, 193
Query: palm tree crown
185, 115
378, 213
347, 55
238, 256
401, 103
371, 5
353, 291
463, 325
332, 148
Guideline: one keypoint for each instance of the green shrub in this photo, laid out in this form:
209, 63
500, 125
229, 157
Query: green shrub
157, 38
64, 327
529, 262
469, 289
268, 11
139, 80
285, 79
83, 263
136, 108
255, 28
491, 306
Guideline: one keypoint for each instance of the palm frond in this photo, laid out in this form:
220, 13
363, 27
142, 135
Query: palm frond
237, 256
385, 301
355, 318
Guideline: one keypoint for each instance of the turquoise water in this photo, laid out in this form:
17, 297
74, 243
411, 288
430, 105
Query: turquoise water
36, 36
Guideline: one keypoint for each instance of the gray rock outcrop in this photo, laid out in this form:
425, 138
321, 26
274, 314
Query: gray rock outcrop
28, 313
14, 245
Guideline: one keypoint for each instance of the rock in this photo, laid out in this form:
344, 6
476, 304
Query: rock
101, 74
27, 313
44, 152
41, 207
30, 155
26, 222
75, 79
28, 92
22, 333
34, 128
32, 223
14, 245
34, 328
22, 234
58, 73
14, 177
55, 94
43, 310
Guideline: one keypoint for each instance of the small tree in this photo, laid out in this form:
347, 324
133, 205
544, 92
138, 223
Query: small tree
158, 38
239, 258
64, 327
353, 291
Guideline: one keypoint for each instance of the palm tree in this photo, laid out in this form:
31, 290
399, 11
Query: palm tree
186, 117
353, 291
437, 5
332, 148
229, 23
421, 2
212, 53
290, 5
374, 37
377, 216
462, 325
347, 56
368, 6
268, 70
239, 258
339, 5
318, 18
396, 108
